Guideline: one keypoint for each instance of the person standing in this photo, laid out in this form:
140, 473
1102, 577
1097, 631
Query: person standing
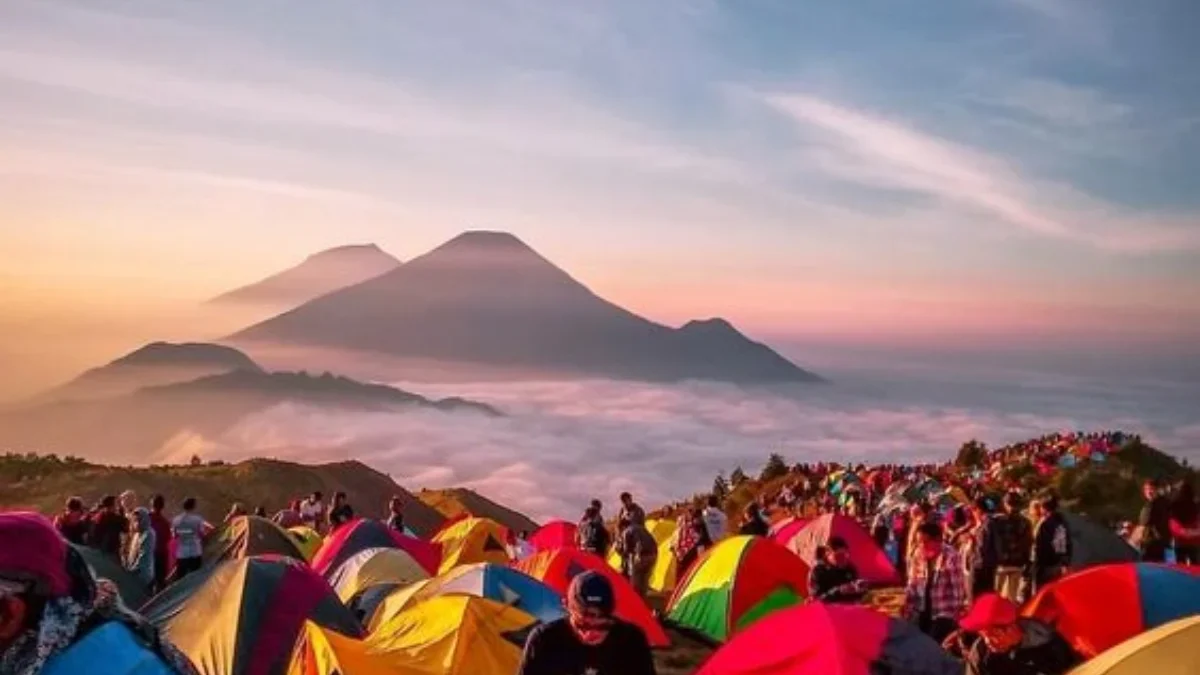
162, 541
142, 539
1154, 524
936, 594
639, 551
1012, 539
108, 527
1185, 525
72, 523
189, 529
593, 535
590, 640
691, 540
979, 551
341, 512
629, 511
396, 514
715, 520
312, 511
1051, 543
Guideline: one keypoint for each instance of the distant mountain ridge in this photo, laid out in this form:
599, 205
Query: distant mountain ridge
487, 298
462, 502
320, 273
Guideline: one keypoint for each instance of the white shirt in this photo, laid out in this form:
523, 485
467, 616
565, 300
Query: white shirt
310, 510
716, 523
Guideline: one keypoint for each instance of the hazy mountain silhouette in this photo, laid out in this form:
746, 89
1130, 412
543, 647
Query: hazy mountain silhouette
319, 274
145, 425
487, 298
157, 363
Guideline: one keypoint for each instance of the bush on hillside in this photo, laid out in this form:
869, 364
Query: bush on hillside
737, 477
972, 455
720, 488
775, 468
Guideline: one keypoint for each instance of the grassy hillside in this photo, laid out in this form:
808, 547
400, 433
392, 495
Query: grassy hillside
455, 502
44, 482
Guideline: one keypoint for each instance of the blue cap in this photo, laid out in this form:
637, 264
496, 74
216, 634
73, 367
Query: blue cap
591, 590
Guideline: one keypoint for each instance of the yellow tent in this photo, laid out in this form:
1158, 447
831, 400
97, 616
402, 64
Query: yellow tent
662, 579
472, 540
307, 540
375, 566
445, 635
1170, 649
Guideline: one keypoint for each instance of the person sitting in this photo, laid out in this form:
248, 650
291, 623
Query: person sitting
289, 517
753, 523
57, 619
994, 640
395, 519
590, 640
341, 512
834, 579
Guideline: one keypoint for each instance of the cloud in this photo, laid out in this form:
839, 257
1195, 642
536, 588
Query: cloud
565, 442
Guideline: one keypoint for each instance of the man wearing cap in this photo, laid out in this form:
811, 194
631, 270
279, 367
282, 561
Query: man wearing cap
590, 640
57, 619
995, 641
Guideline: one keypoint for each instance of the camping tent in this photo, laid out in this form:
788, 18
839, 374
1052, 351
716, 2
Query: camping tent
446, 635
870, 560
663, 577
1100, 607
499, 583
1093, 544
1170, 649
738, 582
557, 568
133, 592
817, 638
247, 536
242, 617
471, 540
307, 540
359, 535
783, 531
552, 535
375, 566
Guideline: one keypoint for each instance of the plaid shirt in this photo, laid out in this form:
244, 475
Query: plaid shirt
949, 596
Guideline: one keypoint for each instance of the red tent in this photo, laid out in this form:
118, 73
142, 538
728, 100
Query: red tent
555, 534
557, 568
870, 560
783, 531
359, 535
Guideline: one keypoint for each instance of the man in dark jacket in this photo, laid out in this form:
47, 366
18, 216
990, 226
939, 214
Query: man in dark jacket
1155, 524
834, 579
994, 640
162, 541
590, 641
1012, 539
593, 536
1051, 542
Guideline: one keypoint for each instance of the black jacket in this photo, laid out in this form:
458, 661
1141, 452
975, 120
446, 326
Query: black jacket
1052, 543
553, 649
1042, 652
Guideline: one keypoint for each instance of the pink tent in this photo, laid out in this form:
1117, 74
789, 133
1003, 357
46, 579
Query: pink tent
870, 560
553, 535
783, 531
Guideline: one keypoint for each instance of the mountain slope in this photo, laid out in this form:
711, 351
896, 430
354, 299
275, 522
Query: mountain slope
44, 484
317, 275
456, 502
156, 422
487, 298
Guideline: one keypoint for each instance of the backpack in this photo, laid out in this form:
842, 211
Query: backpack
1013, 537
594, 536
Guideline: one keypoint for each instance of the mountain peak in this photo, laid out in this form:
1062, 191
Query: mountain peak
319, 273
484, 242
187, 354
713, 325
351, 251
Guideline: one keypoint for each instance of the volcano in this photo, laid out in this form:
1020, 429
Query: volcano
319, 274
487, 298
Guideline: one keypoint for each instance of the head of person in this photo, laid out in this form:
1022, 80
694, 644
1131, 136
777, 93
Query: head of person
339, 498
31, 575
626, 498
1012, 503
189, 504
839, 552
396, 505
996, 620
929, 539
316, 497
590, 602
108, 503
141, 519
158, 503
597, 505
260, 511
1150, 489
713, 502
74, 505
524, 535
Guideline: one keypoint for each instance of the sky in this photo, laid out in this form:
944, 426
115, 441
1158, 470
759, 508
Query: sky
988, 175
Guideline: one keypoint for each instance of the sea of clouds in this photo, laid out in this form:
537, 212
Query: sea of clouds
562, 443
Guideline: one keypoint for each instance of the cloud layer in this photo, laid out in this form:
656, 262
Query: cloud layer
563, 443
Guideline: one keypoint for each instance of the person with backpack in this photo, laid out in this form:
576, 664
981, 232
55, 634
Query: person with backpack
1012, 539
592, 535
639, 553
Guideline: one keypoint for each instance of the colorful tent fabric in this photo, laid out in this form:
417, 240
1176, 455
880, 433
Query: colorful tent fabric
498, 583
557, 568
555, 534
740, 581
131, 589
111, 649
820, 639
242, 617
359, 535
375, 566
1093, 544
666, 568
247, 536
446, 635
783, 531
307, 540
872, 563
471, 540
1100, 607
1170, 649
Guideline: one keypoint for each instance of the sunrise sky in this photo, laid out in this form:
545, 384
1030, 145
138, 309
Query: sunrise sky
979, 172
